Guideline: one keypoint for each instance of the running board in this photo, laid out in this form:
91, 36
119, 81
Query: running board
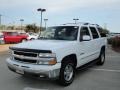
83, 67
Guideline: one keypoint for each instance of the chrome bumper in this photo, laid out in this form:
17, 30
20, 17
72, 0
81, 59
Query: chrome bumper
47, 71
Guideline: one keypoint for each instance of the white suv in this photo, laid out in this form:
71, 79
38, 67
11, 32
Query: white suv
59, 51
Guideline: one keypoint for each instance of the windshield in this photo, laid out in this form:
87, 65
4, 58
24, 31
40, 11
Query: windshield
60, 33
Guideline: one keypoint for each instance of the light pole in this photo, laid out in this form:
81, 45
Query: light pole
0, 20
75, 19
45, 20
21, 20
41, 10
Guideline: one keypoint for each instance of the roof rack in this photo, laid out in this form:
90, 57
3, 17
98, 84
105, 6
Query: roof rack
68, 23
94, 24
84, 23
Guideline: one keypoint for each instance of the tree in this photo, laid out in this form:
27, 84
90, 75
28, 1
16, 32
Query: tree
10, 27
2, 27
106, 31
31, 28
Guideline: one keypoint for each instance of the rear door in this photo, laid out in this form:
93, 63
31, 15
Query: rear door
95, 42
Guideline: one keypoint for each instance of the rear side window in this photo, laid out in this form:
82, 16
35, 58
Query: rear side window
94, 33
102, 33
12, 33
84, 31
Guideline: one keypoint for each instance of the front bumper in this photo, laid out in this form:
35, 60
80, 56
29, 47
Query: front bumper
46, 71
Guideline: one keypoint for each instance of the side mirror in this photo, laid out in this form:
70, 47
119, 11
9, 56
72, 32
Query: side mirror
86, 38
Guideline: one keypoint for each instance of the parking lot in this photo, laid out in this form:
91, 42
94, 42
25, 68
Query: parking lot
106, 77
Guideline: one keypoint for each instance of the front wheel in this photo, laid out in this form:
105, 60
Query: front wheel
67, 74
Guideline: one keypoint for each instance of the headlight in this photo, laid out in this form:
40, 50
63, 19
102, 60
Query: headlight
47, 55
47, 59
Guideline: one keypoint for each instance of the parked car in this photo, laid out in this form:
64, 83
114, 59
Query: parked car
14, 37
32, 36
59, 51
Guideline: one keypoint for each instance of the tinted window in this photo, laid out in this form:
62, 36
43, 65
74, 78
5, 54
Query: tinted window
94, 33
84, 31
12, 33
101, 32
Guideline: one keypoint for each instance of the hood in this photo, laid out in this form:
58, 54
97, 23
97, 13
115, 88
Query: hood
52, 45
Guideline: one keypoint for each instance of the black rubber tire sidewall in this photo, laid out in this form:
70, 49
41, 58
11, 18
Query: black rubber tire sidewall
100, 62
62, 81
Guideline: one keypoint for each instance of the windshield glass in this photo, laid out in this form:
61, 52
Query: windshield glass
60, 33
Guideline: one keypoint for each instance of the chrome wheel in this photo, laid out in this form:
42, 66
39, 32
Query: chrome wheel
68, 72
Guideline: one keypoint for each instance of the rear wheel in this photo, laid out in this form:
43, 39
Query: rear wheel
101, 58
67, 73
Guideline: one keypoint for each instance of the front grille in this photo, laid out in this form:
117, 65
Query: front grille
25, 60
21, 57
29, 54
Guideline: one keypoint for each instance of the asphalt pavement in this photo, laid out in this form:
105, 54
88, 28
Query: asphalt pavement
106, 77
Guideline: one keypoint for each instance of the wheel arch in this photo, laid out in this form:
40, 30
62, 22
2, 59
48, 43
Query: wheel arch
71, 57
103, 48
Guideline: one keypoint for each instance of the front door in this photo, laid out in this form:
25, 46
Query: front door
85, 47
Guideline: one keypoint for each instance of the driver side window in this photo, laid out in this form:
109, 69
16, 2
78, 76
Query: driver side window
84, 31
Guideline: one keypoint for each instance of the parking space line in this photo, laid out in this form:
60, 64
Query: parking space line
28, 88
107, 70
113, 56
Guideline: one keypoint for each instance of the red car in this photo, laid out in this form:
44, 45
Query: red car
14, 37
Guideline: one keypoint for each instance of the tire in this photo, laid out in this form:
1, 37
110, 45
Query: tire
101, 59
67, 73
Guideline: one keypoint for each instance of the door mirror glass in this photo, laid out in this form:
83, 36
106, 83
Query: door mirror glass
86, 38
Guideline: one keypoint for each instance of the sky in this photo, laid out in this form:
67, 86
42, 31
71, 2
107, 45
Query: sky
103, 12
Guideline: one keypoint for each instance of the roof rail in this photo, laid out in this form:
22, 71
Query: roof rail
95, 24
68, 23
84, 23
